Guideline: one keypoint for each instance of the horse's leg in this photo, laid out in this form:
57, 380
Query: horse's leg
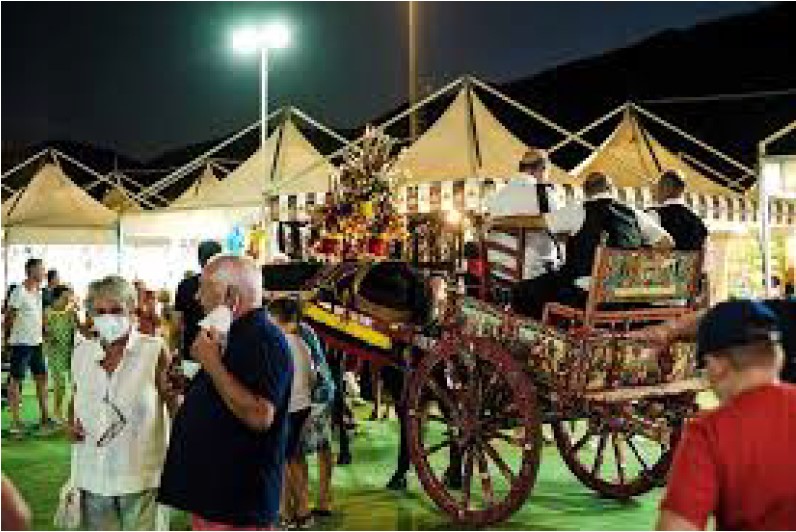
393, 380
338, 406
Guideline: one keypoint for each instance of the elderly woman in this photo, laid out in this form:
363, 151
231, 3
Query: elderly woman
118, 414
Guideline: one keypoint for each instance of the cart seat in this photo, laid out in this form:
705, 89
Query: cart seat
634, 286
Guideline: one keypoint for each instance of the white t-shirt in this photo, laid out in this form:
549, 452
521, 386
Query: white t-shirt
27, 326
302, 372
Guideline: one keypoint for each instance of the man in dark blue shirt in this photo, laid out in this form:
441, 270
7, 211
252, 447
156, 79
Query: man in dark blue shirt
227, 450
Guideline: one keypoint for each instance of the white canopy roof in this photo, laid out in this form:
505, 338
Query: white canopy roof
458, 147
201, 193
288, 164
119, 200
627, 157
54, 210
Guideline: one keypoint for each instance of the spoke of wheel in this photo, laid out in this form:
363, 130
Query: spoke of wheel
505, 437
598, 459
439, 419
492, 453
629, 441
436, 448
468, 478
620, 472
486, 479
581, 442
445, 398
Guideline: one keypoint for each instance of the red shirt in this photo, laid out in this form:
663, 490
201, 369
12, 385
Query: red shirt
738, 463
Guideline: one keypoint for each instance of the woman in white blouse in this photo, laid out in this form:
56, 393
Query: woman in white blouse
118, 416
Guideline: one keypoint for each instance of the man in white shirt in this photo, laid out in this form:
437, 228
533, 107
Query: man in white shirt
23, 325
528, 194
584, 224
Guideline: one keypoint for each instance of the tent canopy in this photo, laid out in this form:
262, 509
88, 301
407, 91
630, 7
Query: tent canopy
201, 193
466, 141
287, 164
54, 210
119, 200
628, 156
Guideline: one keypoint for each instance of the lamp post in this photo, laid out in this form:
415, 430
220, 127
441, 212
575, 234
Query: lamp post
262, 39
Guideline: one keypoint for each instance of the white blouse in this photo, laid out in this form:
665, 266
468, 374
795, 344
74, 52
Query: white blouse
124, 409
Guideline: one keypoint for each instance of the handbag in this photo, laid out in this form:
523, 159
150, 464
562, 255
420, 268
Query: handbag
67, 514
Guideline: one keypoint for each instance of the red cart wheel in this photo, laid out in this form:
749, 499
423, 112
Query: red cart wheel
623, 449
474, 430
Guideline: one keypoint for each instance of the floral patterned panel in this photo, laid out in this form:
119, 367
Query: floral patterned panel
647, 275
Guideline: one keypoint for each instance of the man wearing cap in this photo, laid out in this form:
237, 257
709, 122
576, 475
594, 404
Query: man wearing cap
585, 224
737, 462
528, 194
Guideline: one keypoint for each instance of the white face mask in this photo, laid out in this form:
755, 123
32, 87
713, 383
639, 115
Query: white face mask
220, 319
111, 327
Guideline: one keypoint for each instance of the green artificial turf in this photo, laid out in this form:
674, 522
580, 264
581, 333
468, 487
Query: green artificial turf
39, 465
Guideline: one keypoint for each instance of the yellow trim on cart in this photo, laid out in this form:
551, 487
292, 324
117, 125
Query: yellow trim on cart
349, 327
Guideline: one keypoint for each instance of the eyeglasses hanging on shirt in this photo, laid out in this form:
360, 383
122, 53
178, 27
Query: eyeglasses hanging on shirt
116, 427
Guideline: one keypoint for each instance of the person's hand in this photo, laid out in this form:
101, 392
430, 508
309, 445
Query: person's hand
206, 349
75, 431
658, 336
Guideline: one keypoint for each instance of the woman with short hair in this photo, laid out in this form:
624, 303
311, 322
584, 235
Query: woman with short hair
118, 414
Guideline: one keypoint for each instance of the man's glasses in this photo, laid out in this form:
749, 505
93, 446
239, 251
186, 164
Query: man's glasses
115, 427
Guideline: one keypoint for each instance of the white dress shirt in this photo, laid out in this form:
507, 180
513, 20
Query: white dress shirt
519, 198
569, 219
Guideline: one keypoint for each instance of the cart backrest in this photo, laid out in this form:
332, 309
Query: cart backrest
654, 276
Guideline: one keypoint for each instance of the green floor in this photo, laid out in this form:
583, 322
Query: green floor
39, 465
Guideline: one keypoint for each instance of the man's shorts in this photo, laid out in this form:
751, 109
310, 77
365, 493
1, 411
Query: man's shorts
24, 356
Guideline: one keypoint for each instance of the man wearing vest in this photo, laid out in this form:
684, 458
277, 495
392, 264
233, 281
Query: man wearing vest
585, 224
529, 194
686, 227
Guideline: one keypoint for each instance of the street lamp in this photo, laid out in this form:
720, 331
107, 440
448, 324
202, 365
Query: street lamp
248, 40
253, 39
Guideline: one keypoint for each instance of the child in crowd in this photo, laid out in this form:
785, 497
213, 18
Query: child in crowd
60, 323
309, 427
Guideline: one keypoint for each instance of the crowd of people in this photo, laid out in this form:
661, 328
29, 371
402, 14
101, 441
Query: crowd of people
213, 404
227, 444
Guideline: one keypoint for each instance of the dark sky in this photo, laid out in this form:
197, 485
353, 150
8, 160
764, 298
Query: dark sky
143, 77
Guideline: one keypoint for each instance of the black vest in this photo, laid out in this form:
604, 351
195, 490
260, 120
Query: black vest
615, 219
686, 227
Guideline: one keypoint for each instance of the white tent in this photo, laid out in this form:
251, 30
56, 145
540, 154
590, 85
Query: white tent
288, 164
465, 142
202, 192
53, 210
629, 157
119, 200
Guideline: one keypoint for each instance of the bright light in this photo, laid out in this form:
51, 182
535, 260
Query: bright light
276, 36
272, 36
246, 40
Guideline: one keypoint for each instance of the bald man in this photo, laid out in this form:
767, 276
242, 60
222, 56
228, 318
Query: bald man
227, 450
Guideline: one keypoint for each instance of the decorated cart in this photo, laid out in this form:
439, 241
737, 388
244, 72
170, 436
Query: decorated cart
481, 382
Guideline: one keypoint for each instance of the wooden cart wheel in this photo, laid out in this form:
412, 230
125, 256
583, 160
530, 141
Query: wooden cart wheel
474, 430
623, 449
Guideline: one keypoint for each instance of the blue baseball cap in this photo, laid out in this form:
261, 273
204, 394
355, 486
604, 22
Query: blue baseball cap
736, 323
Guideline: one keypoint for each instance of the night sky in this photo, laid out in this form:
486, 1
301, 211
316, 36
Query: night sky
149, 76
